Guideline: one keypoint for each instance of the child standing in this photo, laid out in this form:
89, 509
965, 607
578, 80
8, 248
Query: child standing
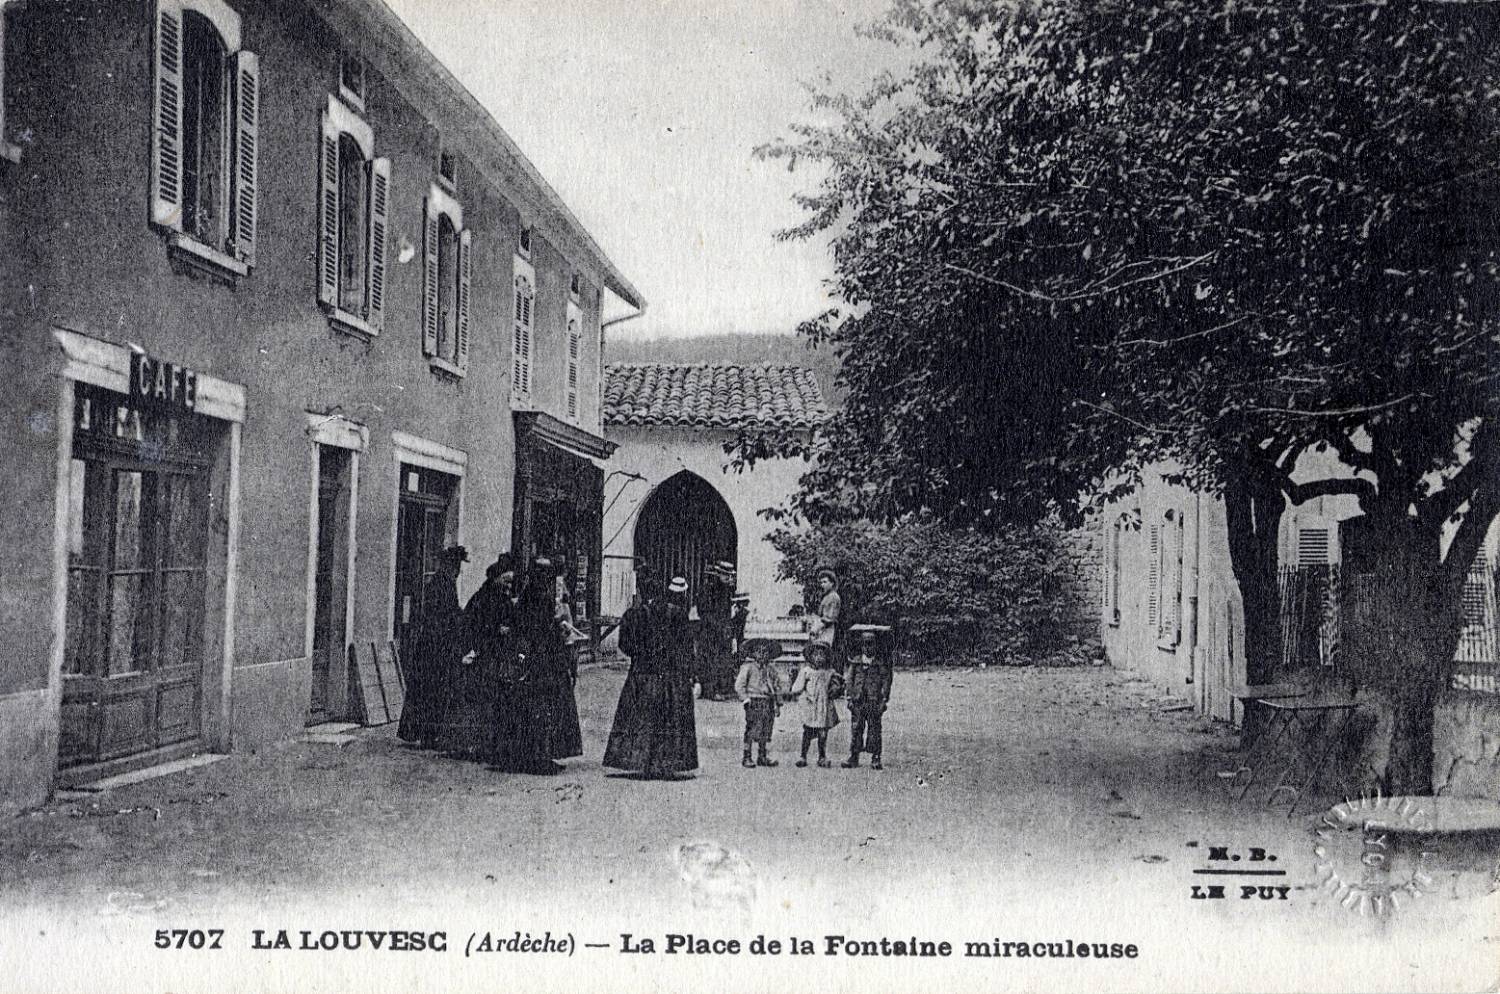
756, 686
869, 690
813, 682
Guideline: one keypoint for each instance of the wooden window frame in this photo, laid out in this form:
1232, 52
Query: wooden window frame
441, 204
340, 122
240, 137
523, 332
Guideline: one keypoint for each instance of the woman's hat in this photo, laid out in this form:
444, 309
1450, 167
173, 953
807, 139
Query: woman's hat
677, 586
740, 597
454, 553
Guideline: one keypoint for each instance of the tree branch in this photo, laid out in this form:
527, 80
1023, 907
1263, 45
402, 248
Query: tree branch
1082, 294
1188, 337
1338, 412
1128, 420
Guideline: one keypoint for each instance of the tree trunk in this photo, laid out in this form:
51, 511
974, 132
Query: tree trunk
1254, 522
1407, 653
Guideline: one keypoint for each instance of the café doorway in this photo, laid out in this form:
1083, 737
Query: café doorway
142, 564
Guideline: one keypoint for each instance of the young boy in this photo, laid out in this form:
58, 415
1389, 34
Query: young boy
868, 688
757, 687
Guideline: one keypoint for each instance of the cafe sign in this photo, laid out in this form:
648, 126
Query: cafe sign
155, 383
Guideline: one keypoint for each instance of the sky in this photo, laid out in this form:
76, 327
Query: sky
643, 115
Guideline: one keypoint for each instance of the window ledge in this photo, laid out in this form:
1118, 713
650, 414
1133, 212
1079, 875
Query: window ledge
10, 152
1114, 619
197, 256
342, 321
443, 367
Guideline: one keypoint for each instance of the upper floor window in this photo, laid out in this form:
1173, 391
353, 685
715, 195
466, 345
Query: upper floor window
353, 217
448, 267
352, 80
575, 286
524, 297
205, 133
8, 150
575, 345
448, 170
523, 242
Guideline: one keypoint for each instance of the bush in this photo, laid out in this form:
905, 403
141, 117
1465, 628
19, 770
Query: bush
961, 597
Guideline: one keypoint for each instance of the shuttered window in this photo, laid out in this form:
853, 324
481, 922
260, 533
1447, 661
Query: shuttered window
1169, 574
1113, 542
353, 221
524, 298
447, 272
205, 135
1153, 574
1313, 547
575, 340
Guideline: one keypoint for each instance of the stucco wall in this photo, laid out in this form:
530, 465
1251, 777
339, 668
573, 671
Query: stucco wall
660, 453
79, 253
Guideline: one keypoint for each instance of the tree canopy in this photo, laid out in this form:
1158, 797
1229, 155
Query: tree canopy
1073, 237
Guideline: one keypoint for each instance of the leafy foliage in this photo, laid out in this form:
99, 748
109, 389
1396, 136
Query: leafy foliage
954, 596
1075, 237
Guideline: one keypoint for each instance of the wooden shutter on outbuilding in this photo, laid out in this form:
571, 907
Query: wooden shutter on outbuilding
465, 273
430, 234
379, 222
166, 130
328, 216
1153, 576
245, 72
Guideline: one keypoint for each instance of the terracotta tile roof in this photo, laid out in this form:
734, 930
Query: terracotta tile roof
711, 395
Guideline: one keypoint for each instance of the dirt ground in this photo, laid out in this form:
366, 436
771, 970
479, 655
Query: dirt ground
1016, 804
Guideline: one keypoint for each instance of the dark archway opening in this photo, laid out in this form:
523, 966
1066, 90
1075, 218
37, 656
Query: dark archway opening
684, 526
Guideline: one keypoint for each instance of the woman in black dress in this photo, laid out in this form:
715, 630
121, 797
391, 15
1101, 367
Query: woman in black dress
538, 713
654, 730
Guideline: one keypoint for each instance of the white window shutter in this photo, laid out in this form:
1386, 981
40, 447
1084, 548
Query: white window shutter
1314, 544
521, 346
1153, 576
465, 272
245, 72
166, 130
429, 280
380, 194
328, 216
573, 339
1174, 632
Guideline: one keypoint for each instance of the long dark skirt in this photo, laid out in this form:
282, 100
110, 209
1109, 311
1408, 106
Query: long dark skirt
428, 685
534, 724
654, 728
468, 725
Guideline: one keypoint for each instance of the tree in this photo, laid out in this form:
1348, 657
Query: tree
1075, 237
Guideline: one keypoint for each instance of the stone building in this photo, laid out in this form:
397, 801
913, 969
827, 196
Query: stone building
673, 499
286, 311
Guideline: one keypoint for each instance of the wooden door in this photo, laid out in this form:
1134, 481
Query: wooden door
133, 670
424, 526
330, 580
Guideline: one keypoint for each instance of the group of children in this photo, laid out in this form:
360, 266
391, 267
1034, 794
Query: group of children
865, 683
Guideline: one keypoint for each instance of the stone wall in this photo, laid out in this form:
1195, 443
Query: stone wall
1466, 745
1081, 588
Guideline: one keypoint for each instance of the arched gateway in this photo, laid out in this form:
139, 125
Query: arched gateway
683, 527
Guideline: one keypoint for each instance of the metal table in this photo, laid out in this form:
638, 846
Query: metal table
1310, 722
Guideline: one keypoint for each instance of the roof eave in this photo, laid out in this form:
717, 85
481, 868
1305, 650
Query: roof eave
427, 82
